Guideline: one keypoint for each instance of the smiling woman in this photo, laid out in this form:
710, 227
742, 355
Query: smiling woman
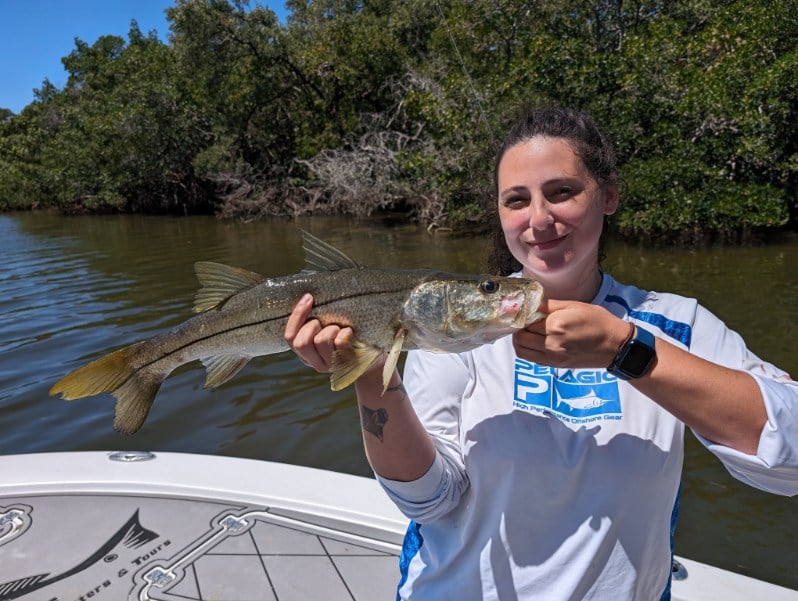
548, 464
552, 210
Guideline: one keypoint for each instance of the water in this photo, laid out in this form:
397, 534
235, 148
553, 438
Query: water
74, 288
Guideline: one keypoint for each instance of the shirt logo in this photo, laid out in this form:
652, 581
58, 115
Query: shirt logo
574, 395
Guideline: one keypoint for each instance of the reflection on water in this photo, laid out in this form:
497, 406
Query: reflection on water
75, 288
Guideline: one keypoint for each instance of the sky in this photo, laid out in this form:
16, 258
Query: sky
36, 34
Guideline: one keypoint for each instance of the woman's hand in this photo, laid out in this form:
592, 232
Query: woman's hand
723, 405
573, 334
314, 344
397, 445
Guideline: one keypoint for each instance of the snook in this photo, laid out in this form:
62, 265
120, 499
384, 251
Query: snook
243, 315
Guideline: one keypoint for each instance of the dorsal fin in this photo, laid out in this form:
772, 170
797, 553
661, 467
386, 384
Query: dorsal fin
220, 282
320, 256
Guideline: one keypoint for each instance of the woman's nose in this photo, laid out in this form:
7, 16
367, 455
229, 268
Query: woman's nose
540, 216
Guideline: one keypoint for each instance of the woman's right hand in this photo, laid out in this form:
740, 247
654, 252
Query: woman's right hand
401, 450
312, 343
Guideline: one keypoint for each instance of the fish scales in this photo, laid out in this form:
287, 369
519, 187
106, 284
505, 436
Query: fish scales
243, 315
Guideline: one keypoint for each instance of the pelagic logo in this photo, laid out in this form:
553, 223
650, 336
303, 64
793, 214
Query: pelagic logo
573, 395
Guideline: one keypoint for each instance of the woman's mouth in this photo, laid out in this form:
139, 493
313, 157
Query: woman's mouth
541, 245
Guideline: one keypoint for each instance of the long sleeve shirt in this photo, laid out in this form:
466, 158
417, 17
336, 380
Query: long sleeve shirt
562, 484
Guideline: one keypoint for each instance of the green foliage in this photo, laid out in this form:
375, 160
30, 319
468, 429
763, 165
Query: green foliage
354, 106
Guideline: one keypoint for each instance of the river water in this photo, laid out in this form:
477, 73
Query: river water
73, 288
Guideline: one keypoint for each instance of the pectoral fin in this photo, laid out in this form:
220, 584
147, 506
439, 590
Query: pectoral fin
393, 358
349, 364
222, 367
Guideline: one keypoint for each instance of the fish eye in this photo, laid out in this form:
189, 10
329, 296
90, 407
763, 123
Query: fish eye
489, 286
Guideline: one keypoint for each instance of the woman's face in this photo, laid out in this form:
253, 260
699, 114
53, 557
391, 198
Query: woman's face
552, 211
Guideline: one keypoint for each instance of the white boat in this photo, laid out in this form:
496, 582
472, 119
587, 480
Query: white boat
175, 527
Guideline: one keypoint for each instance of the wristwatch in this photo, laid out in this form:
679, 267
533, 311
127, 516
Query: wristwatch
635, 356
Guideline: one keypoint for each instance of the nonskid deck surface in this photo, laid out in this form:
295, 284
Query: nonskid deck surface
76, 547
97, 526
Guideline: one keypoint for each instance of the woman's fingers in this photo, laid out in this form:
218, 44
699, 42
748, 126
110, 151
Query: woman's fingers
312, 343
299, 315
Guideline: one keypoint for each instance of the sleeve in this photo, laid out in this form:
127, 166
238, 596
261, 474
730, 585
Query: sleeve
435, 384
774, 468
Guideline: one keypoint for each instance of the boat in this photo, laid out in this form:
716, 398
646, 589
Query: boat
144, 526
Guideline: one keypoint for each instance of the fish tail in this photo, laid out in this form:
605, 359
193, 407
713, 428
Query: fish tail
134, 389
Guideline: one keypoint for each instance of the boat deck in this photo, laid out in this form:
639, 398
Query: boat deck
180, 527
174, 546
71, 547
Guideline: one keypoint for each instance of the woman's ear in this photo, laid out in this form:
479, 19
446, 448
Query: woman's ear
611, 198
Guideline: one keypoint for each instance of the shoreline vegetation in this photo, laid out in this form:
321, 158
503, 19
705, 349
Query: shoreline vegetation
356, 108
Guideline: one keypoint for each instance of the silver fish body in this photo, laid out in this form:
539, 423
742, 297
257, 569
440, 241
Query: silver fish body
243, 315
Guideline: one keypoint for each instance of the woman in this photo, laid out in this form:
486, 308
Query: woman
547, 465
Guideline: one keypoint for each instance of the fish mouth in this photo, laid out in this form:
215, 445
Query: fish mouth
528, 310
521, 307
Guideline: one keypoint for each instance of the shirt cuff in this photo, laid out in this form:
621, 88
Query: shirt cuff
417, 491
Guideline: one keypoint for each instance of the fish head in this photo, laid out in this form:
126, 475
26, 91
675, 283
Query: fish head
459, 313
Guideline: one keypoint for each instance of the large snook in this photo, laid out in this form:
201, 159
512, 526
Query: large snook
243, 315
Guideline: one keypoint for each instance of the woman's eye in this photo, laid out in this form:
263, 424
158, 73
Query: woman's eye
565, 191
515, 201
489, 286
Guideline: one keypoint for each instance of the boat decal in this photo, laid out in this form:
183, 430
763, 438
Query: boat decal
14, 521
131, 535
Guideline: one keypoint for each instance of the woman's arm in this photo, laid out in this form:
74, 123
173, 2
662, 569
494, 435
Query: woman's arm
397, 445
721, 404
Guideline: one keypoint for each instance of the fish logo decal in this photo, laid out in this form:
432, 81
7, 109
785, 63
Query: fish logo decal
587, 401
131, 535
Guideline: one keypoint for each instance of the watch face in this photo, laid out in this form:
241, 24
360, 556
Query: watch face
637, 358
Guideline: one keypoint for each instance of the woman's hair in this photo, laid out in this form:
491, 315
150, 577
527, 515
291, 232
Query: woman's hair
586, 140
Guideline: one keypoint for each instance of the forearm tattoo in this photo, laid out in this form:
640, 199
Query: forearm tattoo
373, 420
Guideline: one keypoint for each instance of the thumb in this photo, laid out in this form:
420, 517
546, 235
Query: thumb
550, 305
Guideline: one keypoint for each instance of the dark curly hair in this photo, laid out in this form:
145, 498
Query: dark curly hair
585, 138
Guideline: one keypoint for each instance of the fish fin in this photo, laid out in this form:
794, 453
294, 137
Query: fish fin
133, 402
349, 364
320, 256
223, 367
393, 358
114, 373
220, 282
103, 375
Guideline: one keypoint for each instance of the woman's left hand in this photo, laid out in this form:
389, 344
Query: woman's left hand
573, 334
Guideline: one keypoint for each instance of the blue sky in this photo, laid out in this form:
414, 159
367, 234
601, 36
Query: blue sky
36, 34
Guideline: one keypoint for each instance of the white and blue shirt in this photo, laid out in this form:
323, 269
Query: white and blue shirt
563, 484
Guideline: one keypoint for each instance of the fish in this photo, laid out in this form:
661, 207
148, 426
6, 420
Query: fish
590, 400
242, 314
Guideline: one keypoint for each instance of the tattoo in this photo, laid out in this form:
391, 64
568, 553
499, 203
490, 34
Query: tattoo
373, 420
